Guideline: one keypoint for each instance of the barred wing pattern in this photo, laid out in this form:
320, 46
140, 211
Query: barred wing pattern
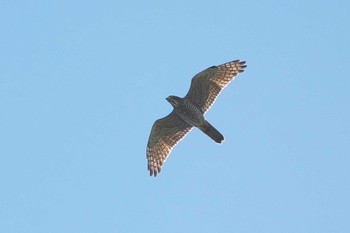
207, 85
165, 134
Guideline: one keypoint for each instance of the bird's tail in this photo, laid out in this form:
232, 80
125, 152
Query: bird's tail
209, 130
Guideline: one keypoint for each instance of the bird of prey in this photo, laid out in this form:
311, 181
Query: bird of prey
189, 112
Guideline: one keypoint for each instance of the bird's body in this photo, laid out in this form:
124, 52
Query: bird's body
189, 112
186, 111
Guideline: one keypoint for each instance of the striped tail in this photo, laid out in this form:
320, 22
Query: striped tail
209, 130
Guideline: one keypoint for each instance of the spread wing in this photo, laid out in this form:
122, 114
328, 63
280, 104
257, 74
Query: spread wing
207, 85
165, 134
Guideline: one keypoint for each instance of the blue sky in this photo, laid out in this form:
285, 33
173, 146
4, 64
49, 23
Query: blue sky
82, 82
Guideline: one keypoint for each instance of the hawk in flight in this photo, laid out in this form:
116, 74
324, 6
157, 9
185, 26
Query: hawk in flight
189, 112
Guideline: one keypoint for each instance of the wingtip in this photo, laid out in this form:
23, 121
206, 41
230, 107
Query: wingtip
239, 61
242, 66
154, 172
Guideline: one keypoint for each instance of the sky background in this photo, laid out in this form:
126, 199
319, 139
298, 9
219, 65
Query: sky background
81, 83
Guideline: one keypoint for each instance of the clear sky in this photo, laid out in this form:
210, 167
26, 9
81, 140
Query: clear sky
81, 83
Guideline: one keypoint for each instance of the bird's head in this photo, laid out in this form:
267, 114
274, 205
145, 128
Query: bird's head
174, 100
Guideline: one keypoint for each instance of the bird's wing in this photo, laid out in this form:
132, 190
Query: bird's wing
165, 134
208, 84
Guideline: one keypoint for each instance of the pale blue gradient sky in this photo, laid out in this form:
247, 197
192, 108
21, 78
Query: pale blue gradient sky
82, 82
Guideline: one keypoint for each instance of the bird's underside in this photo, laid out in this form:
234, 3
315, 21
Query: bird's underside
168, 131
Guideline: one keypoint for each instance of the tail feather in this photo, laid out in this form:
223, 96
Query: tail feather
209, 130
